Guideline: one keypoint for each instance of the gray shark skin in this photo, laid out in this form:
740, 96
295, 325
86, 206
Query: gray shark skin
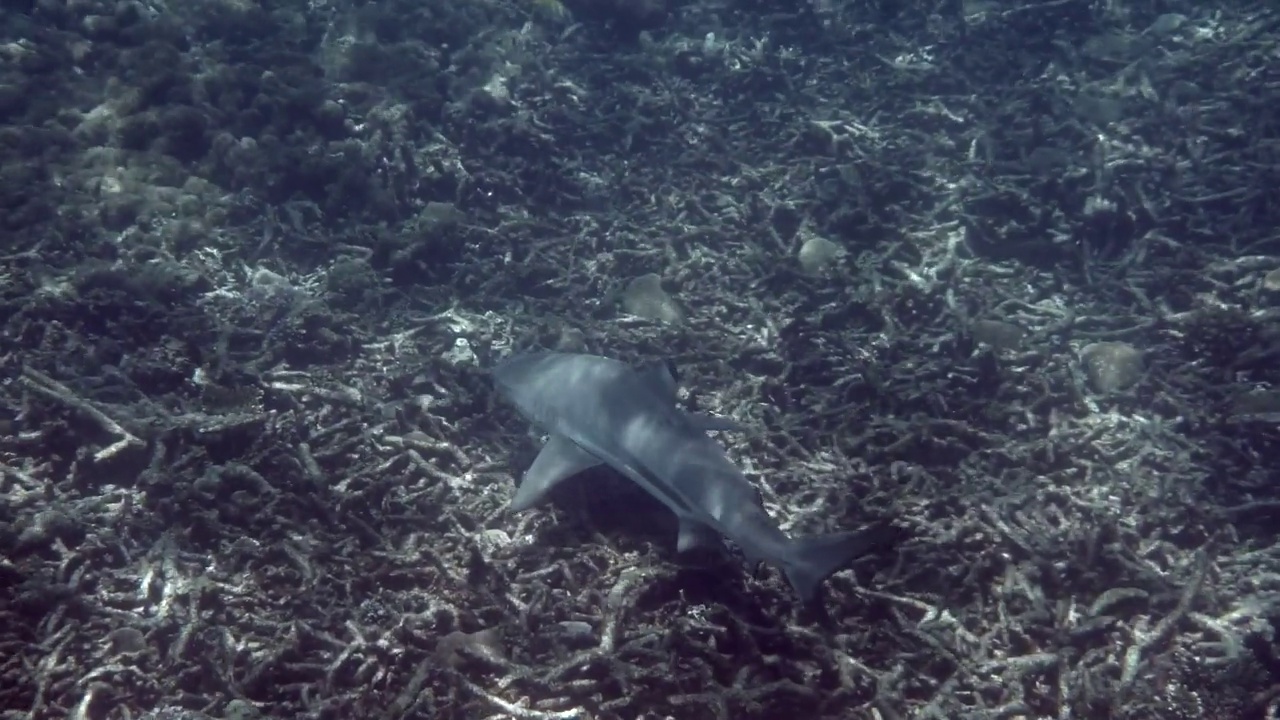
602, 411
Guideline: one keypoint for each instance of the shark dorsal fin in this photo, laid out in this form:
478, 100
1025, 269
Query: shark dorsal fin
660, 376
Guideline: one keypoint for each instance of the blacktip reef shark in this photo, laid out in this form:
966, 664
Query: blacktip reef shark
602, 411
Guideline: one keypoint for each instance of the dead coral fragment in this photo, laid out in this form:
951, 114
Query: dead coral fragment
998, 334
644, 297
1108, 601
1271, 282
1111, 366
127, 640
818, 255
484, 646
1256, 403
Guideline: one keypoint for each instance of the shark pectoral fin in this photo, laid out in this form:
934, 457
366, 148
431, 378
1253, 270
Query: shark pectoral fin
560, 458
813, 559
694, 534
708, 423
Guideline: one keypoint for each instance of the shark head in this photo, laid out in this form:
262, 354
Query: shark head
541, 385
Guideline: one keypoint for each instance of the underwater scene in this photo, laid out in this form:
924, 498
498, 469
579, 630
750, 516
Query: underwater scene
639, 360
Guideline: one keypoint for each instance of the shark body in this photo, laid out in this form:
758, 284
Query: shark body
602, 411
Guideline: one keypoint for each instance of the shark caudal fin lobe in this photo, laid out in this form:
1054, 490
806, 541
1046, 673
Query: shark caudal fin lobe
815, 558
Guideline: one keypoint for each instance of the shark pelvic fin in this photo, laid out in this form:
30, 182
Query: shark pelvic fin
560, 458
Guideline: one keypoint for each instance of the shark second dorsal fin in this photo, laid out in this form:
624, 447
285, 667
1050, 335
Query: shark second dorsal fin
660, 376
560, 458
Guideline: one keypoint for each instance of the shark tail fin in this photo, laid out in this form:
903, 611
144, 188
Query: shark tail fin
815, 558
